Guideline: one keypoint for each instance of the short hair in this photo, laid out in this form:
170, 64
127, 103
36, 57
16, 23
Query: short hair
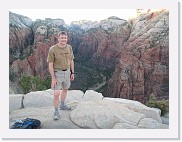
62, 33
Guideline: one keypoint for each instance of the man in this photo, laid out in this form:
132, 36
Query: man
60, 58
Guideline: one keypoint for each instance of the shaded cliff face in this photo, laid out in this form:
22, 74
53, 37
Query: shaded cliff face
20, 36
137, 51
102, 46
143, 65
101, 42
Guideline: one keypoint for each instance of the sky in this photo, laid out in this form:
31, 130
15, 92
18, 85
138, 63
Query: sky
69, 15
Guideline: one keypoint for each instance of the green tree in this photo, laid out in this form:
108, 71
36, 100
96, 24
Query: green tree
37, 84
47, 82
26, 83
163, 104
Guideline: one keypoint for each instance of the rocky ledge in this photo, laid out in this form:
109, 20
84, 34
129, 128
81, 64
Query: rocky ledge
90, 110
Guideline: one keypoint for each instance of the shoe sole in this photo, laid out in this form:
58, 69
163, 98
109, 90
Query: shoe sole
64, 109
56, 118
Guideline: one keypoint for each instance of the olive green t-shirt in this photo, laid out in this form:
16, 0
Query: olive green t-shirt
61, 57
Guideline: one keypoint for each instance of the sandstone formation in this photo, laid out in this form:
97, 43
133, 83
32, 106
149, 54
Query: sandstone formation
143, 63
20, 36
134, 52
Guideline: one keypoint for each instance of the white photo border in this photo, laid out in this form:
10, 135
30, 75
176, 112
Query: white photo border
165, 134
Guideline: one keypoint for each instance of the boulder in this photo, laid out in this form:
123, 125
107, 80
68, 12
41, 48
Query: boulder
15, 102
92, 95
38, 99
149, 123
124, 126
139, 107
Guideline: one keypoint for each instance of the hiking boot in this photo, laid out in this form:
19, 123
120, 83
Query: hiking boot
56, 115
64, 107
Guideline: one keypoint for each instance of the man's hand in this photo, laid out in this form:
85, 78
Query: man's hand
51, 70
54, 82
72, 77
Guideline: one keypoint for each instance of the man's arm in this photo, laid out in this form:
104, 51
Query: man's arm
72, 66
72, 70
51, 70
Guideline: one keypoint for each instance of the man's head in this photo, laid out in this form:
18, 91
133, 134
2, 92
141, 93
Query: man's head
62, 37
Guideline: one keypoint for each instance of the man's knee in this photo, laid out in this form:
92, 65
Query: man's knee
64, 90
56, 93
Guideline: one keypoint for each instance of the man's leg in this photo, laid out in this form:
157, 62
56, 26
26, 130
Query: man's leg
56, 104
63, 97
56, 98
65, 86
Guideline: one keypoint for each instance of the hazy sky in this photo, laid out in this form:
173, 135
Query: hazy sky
69, 15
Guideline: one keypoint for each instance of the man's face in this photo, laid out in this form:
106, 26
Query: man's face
62, 39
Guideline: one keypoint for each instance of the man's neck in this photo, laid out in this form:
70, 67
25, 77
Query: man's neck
61, 45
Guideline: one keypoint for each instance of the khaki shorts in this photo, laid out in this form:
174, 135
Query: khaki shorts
63, 79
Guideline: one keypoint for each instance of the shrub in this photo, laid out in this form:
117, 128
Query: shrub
26, 83
47, 82
34, 83
37, 84
163, 104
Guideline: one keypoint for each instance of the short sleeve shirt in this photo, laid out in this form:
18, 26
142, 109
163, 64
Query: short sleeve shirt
61, 57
